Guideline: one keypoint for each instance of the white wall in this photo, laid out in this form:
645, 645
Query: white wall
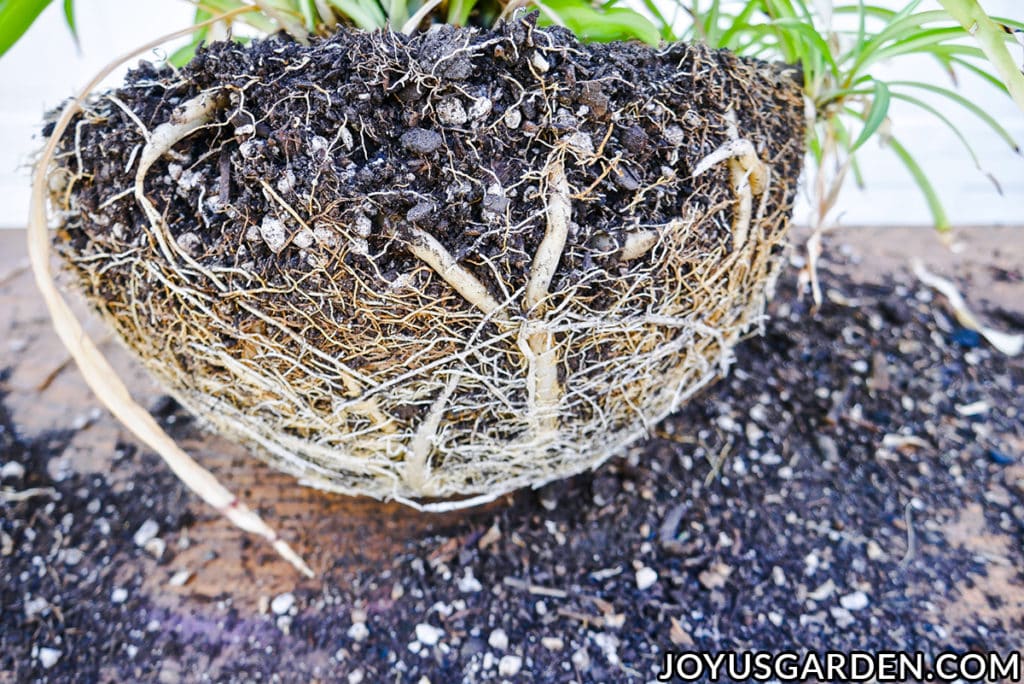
44, 68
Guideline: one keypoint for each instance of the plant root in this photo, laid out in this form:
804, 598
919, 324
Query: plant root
95, 369
448, 264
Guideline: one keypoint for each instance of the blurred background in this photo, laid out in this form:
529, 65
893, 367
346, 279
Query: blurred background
46, 67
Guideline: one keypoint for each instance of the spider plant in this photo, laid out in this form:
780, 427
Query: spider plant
840, 46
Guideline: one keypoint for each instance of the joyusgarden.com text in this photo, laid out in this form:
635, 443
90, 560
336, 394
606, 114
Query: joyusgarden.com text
836, 666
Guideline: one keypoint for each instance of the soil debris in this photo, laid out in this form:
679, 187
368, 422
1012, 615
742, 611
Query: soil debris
792, 519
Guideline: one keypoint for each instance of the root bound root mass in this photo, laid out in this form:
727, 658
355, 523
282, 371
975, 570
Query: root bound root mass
436, 266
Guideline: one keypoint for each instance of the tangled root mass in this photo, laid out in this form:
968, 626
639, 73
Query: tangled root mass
443, 265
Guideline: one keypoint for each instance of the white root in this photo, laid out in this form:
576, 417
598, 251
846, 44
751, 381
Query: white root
417, 473
749, 177
1007, 343
96, 370
637, 244
536, 342
428, 249
189, 117
549, 253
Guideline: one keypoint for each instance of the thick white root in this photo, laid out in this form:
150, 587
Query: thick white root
96, 370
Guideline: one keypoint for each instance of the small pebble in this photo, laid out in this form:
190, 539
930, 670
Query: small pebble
421, 141
119, 595
552, 643
509, 665
513, 118
498, 640
190, 243
581, 659
450, 112
645, 578
469, 584
282, 603
858, 600
71, 556
35, 606
428, 634
419, 212
274, 234
12, 470
358, 632
480, 108
48, 657
304, 239
180, 578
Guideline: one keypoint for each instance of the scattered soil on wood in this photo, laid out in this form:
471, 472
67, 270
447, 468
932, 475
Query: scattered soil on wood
857, 481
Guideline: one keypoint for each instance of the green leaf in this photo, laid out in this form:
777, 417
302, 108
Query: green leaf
16, 16
876, 115
398, 13
459, 11
815, 45
927, 189
966, 104
69, 17
992, 40
589, 24
665, 26
365, 15
945, 120
740, 22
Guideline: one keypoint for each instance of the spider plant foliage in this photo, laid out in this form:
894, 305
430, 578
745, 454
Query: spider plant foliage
839, 45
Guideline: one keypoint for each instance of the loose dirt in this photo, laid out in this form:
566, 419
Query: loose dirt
856, 482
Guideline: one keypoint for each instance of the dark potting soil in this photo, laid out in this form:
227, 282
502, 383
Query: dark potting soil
814, 499
375, 132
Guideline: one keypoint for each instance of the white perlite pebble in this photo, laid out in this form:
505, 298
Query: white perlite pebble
146, 532
35, 606
282, 603
274, 234
480, 108
510, 665
48, 657
303, 239
180, 578
450, 112
358, 632
364, 226
674, 135
539, 63
469, 584
580, 143
428, 635
12, 469
498, 640
119, 595
513, 118
326, 236
858, 600
552, 643
645, 578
